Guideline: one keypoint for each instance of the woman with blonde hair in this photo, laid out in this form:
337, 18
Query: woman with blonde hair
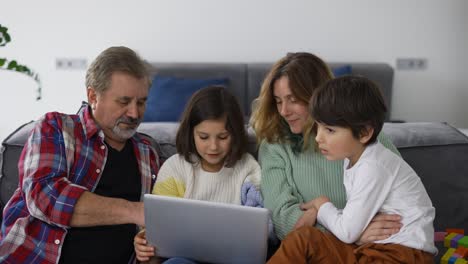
293, 171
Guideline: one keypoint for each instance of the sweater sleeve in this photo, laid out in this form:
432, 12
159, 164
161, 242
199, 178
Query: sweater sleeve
250, 189
385, 140
254, 173
169, 181
278, 188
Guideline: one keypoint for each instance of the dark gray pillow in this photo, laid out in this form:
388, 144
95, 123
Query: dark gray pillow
9, 157
164, 133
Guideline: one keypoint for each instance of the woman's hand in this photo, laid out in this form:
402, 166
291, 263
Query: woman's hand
315, 203
142, 250
381, 227
307, 219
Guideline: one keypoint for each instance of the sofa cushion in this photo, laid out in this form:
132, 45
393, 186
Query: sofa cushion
236, 73
9, 156
342, 70
164, 133
168, 96
438, 154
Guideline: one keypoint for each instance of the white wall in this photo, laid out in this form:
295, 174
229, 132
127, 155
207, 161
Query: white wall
239, 31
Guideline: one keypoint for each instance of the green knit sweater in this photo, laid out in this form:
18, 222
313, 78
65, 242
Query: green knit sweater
289, 179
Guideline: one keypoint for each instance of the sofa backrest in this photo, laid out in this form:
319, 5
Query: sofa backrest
245, 79
436, 151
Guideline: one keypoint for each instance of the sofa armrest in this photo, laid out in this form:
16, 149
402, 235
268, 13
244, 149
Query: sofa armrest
438, 153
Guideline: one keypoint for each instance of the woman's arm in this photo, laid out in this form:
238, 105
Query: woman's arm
278, 193
381, 227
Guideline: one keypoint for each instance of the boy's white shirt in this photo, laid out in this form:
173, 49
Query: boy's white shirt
381, 181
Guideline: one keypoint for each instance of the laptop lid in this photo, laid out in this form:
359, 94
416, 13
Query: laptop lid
206, 231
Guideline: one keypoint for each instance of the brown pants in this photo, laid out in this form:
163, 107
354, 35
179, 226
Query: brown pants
310, 245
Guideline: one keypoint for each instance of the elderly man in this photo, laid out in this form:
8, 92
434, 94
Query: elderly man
81, 177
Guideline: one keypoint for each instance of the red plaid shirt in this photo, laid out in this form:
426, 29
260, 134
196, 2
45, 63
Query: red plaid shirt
63, 157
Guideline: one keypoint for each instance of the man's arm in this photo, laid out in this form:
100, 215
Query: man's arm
45, 167
92, 209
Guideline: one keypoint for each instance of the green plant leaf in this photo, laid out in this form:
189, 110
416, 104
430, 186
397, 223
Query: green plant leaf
12, 65
15, 66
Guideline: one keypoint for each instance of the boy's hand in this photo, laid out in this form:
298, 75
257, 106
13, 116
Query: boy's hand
142, 250
315, 203
307, 219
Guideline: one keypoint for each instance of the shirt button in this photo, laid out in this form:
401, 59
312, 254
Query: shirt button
153, 176
98, 170
57, 241
103, 147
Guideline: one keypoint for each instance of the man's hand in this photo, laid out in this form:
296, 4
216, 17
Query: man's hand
307, 219
315, 203
381, 227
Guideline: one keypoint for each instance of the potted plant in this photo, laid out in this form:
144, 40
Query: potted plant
13, 65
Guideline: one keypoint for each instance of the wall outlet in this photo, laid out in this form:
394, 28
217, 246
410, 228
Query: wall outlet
70, 64
411, 64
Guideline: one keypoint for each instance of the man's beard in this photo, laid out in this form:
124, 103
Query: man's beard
129, 132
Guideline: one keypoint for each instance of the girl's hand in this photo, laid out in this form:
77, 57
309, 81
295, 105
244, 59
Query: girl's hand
307, 219
381, 227
142, 250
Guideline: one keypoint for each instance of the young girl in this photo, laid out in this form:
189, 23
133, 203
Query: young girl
212, 162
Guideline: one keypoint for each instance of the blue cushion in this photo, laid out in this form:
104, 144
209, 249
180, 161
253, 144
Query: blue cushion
342, 70
168, 96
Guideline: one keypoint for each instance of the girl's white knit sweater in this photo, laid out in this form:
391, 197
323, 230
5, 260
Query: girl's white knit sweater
179, 178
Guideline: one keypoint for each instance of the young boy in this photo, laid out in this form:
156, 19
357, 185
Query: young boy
349, 114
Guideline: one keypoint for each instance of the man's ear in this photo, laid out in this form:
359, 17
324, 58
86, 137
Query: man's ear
366, 134
92, 96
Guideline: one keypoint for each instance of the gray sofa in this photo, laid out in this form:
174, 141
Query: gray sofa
437, 151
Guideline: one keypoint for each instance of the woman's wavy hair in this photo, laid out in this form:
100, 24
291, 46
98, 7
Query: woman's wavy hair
306, 72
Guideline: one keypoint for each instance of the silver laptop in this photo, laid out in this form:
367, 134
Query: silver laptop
206, 231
